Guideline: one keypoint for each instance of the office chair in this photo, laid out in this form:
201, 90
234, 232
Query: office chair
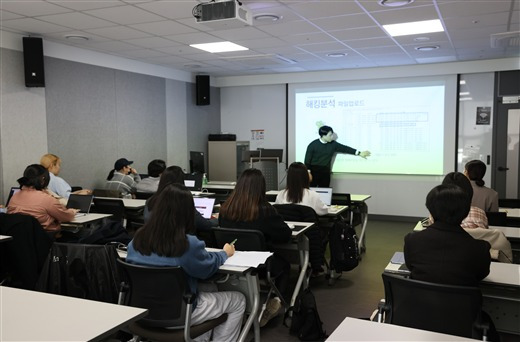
143, 195
113, 206
107, 193
447, 309
251, 240
165, 293
496, 218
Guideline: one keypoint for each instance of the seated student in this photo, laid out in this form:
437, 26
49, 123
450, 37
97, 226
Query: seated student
297, 190
34, 201
175, 175
476, 217
167, 240
57, 184
248, 208
483, 197
123, 178
155, 169
444, 252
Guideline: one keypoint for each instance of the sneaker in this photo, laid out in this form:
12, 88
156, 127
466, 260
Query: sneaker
272, 309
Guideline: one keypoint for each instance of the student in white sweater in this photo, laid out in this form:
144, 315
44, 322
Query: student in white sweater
297, 190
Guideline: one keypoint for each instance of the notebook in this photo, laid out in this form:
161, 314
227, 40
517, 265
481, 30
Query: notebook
81, 202
325, 194
204, 206
13, 191
193, 181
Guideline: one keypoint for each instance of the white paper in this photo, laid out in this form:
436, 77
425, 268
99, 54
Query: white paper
248, 259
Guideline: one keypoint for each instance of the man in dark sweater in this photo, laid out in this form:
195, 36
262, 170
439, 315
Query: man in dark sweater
318, 157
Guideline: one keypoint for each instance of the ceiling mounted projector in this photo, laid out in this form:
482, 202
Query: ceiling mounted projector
222, 15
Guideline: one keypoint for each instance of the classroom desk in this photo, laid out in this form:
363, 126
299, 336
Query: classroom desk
250, 288
511, 212
37, 316
5, 238
353, 329
130, 203
216, 185
82, 221
500, 294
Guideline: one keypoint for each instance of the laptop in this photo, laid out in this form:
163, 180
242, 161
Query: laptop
204, 206
13, 191
325, 194
81, 202
193, 182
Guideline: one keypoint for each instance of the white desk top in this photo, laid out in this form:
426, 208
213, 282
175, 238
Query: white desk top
353, 197
511, 212
130, 203
509, 232
37, 316
353, 329
4, 238
88, 218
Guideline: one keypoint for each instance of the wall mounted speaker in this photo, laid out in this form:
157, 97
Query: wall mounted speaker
33, 62
202, 85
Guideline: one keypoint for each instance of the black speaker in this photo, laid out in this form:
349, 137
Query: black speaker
33, 62
202, 85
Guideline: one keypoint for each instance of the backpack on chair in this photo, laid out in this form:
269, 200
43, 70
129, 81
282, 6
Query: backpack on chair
344, 251
306, 323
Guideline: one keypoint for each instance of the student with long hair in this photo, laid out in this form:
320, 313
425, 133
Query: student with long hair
247, 208
175, 175
33, 200
167, 240
297, 190
483, 197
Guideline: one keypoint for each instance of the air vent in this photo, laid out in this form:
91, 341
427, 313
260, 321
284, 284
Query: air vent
260, 60
505, 39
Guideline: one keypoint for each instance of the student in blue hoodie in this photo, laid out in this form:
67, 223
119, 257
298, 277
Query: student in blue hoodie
167, 240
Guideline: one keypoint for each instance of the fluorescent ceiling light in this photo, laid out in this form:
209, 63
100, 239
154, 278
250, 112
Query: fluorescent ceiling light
219, 47
464, 93
462, 82
416, 27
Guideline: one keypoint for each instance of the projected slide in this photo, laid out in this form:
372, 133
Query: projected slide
403, 127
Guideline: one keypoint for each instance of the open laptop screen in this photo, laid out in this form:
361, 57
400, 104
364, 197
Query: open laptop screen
325, 194
204, 206
13, 191
81, 202
193, 181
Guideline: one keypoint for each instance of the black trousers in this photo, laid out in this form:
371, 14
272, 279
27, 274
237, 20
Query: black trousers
320, 176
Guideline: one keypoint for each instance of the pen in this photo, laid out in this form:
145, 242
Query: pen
233, 242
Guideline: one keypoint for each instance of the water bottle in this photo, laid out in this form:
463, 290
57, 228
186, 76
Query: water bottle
204, 179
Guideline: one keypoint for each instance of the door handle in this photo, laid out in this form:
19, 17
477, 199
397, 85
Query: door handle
501, 168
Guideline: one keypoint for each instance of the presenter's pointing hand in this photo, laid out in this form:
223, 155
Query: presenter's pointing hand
364, 154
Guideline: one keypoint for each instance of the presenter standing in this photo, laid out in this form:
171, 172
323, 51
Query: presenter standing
318, 157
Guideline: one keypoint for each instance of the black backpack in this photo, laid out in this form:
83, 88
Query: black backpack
344, 251
306, 323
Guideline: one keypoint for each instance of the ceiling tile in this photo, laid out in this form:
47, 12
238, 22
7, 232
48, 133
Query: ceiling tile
32, 26
359, 33
240, 34
414, 39
83, 5
323, 9
293, 27
472, 22
263, 42
4, 15
145, 53
344, 22
61, 36
172, 9
450, 9
375, 51
194, 38
371, 42
163, 28
311, 38
487, 31
152, 42
180, 50
32, 8
125, 15
113, 46
403, 15
325, 47
76, 20
118, 32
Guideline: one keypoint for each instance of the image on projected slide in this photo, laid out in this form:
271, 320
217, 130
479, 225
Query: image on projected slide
402, 127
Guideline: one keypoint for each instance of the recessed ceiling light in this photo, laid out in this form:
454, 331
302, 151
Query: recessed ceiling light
76, 37
219, 47
462, 82
421, 39
427, 48
394, 3
415, 27
267, 17
465, 99
464, 93
336, 54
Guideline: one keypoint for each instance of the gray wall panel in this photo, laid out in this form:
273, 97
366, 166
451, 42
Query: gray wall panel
82, 120
141, 119
22, 121
202, 120
176, 125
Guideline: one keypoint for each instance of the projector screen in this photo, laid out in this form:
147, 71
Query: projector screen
401, 122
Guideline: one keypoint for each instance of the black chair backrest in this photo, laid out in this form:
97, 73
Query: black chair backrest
509, 203
143, 195
447, 309
496, 218
340, 199
296, 212
107, 193
158, 289
116, 207
247, 239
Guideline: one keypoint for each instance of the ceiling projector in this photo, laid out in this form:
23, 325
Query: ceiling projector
222, 14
